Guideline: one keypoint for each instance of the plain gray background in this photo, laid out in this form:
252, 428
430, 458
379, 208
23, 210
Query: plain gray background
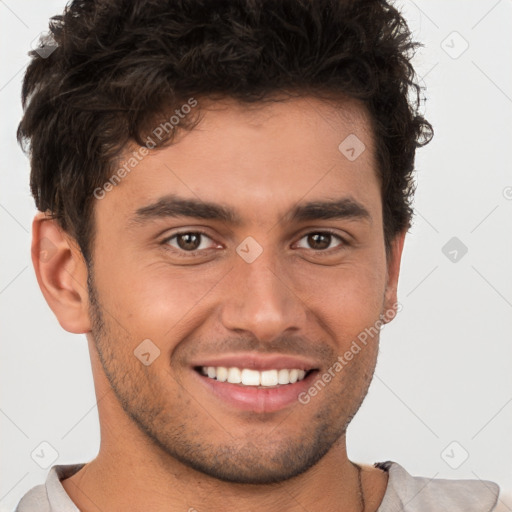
443, 385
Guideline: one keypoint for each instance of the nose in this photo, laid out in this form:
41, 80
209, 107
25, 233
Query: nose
261, 300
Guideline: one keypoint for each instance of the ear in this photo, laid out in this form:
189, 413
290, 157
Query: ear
61, 272
391, 305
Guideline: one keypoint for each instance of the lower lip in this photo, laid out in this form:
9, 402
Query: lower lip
257, 399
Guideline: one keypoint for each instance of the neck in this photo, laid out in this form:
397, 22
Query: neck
129, 480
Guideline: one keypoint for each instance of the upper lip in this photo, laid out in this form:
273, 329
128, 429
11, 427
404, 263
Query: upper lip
259, 362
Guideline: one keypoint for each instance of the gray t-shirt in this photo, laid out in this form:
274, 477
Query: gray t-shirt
404, 493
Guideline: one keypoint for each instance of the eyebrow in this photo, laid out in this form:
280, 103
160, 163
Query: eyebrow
175, 206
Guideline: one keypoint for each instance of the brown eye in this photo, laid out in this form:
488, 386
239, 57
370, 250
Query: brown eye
320, 240
189, 241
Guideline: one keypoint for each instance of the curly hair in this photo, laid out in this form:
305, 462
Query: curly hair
119, 65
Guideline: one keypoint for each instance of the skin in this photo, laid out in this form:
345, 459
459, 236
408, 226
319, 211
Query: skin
166, 443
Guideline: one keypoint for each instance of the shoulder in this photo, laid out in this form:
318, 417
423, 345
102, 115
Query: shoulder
50, 496
34, 500
421, 494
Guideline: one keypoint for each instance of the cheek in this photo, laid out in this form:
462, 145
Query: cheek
157, 301
348, 298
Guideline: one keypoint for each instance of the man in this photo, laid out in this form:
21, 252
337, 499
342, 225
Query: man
224, 191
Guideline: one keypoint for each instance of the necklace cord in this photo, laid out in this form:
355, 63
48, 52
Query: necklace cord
361, 493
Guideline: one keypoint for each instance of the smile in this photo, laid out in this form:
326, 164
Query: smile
246, 389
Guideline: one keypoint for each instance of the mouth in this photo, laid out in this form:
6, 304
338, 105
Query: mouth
261, 391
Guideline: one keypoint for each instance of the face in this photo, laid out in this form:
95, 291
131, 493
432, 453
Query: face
253, 242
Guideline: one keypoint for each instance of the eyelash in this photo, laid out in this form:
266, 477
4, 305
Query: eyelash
165, 242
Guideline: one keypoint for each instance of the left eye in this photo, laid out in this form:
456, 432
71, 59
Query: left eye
320, 240
189, 241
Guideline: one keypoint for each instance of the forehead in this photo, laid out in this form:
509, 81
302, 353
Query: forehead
259, 158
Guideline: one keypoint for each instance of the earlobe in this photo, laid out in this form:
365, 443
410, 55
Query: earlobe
393, 270
61, 273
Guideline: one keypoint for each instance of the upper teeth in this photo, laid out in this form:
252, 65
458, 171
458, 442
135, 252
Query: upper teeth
249, 377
